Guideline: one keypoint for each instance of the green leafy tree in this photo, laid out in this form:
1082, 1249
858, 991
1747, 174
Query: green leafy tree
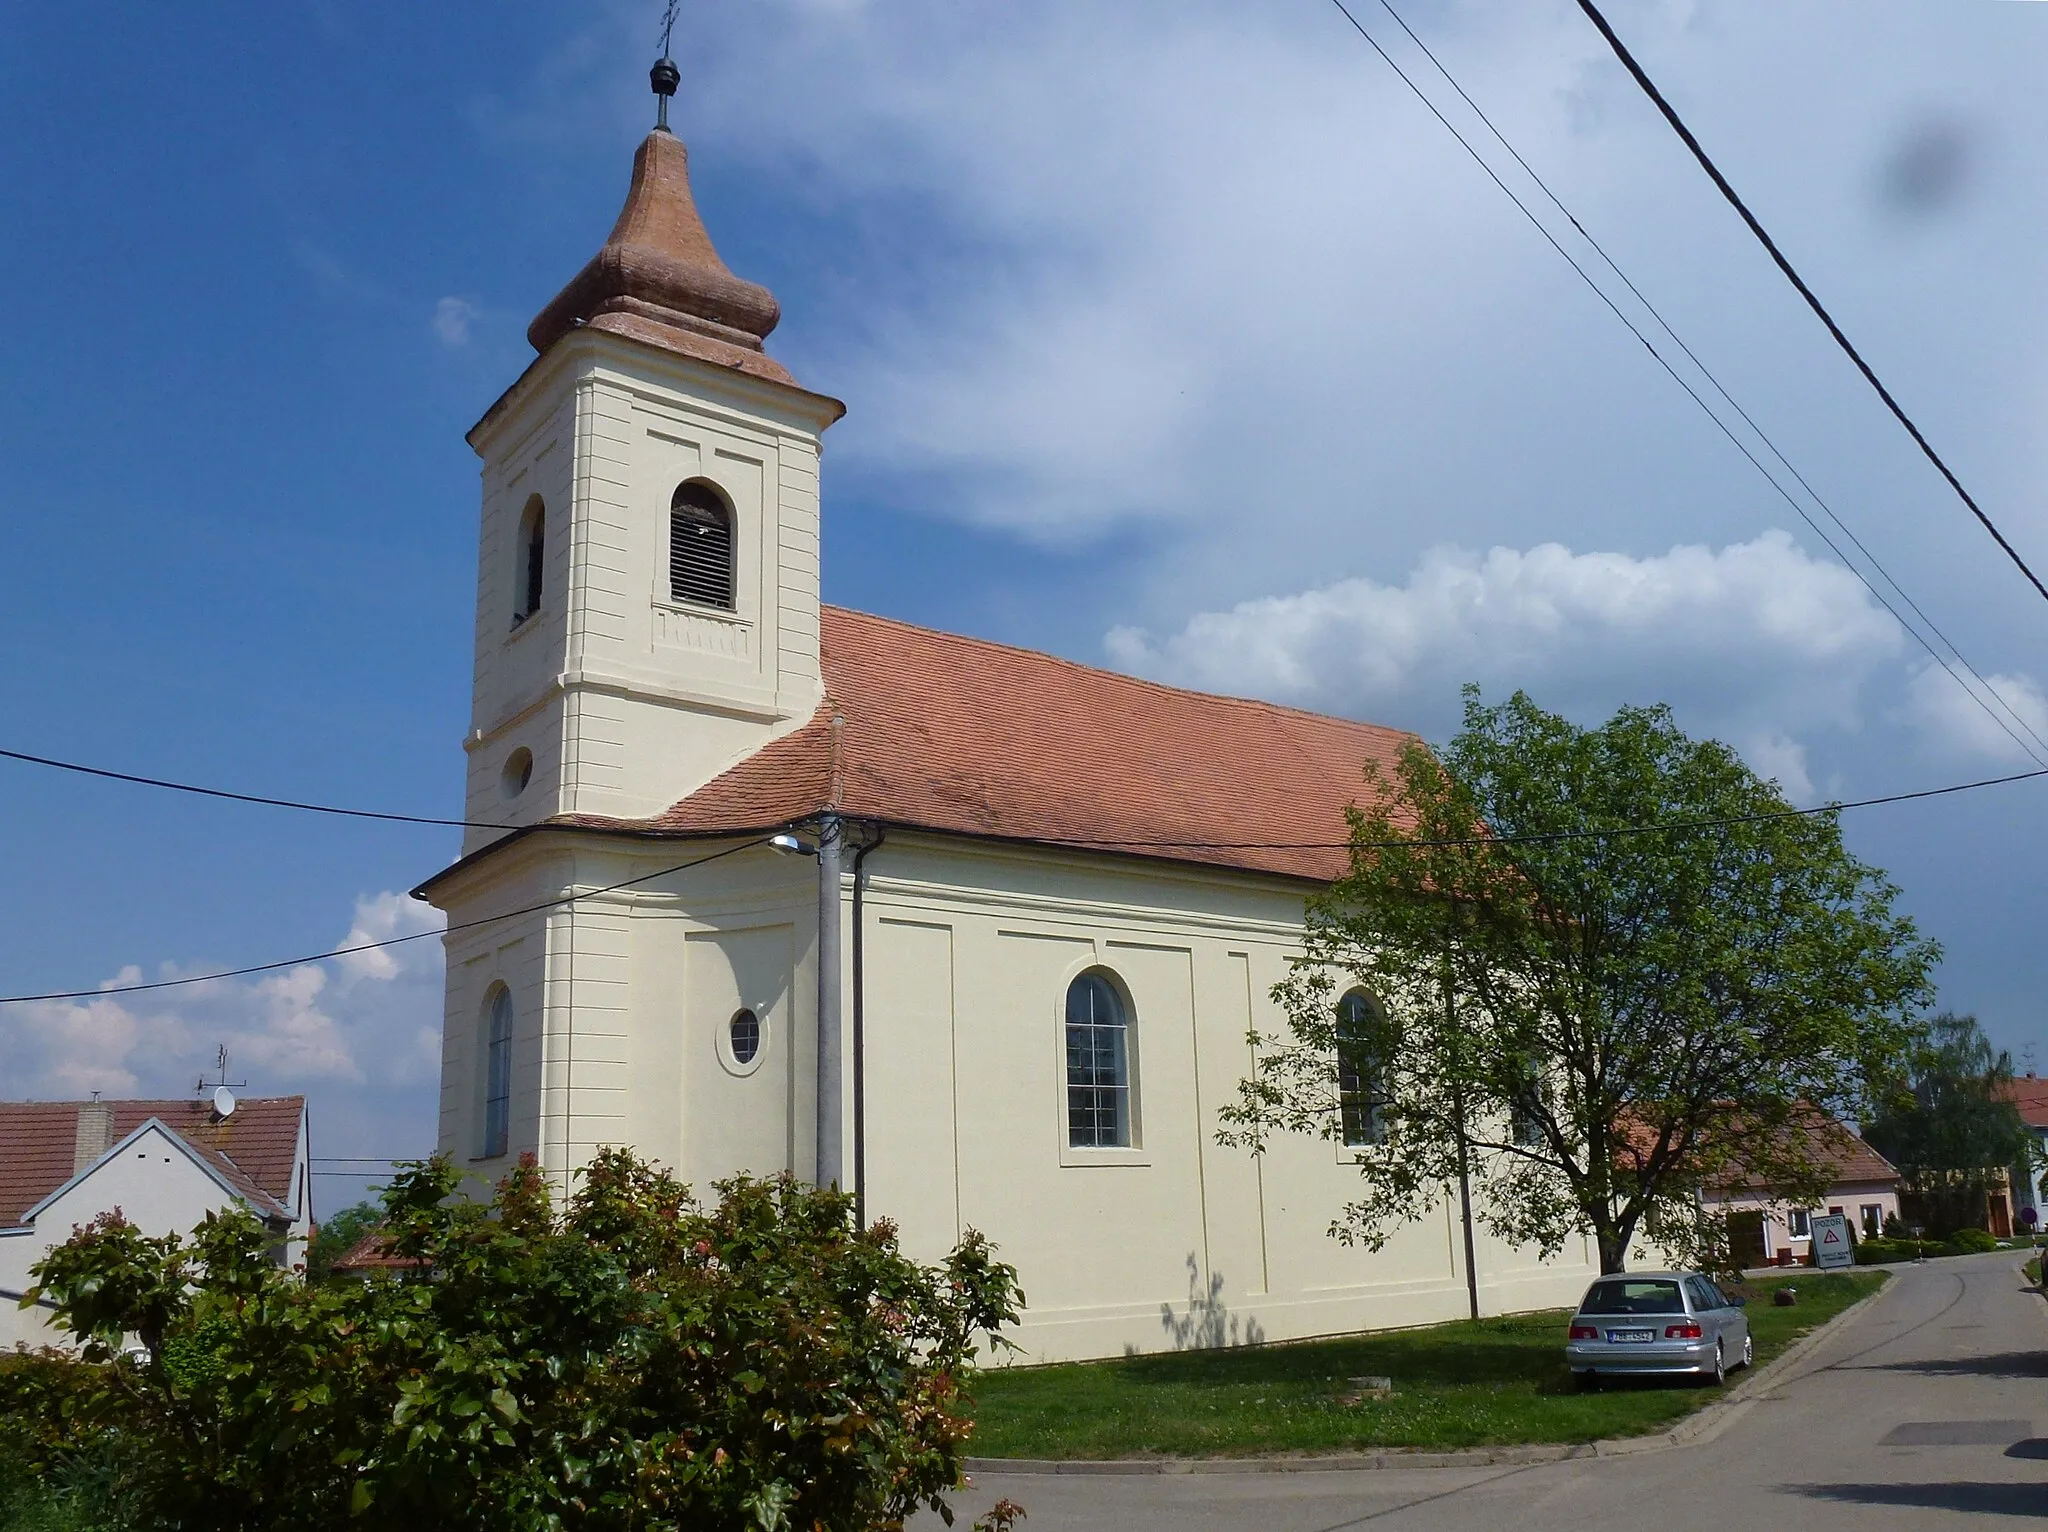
632, 1361
1589, 1021
1952, 1128
338, 1235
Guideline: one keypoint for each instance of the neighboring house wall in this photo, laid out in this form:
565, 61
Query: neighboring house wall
150, 1178
19, 1250
159, 1183
620, 1038
1859, 1201
2027, 1186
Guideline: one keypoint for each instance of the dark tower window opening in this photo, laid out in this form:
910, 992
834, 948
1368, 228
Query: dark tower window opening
533, 534
700, 546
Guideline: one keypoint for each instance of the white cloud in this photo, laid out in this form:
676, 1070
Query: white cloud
1752, 640
1782, 759
359, 1035
452, 319
382, 918
1955, 725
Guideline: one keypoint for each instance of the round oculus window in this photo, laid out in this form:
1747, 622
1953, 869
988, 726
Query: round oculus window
518, 771
743, 1033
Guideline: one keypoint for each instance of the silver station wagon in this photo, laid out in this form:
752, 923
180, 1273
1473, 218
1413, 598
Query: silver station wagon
1649, 1322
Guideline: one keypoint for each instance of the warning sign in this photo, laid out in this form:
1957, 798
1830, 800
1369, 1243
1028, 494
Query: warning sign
1831, 1245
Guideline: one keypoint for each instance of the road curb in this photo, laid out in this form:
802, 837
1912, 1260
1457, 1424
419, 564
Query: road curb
1703, 1425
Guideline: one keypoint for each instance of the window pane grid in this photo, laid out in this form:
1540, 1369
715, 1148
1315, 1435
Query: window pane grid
1098, 1066
498, 1078
1361, 1093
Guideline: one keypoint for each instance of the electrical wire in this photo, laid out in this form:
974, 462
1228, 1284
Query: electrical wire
1719, 388
1530, 838
1542, 837
275, 803
1870, 376
2037, 752
390, 941
2036, 748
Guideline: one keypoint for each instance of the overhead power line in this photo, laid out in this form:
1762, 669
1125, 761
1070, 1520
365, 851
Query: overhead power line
1530, 838
389, 941
1870, 376
232, 797
2035, 746
1747, 419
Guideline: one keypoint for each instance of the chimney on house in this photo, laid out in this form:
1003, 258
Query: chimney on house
95, 1133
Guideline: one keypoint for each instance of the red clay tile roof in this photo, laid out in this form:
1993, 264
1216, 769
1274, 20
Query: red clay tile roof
1847, 1157
2030, 1095
940, 732
254, 1149
373, 1252
658, 278
1853, 1160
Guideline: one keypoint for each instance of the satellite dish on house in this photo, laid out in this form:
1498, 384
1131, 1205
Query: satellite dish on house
223, 1101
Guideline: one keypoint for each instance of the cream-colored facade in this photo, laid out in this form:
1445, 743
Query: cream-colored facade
968, 950
612, 698
622, 699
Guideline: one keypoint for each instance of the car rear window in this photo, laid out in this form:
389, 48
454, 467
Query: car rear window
1647, 1295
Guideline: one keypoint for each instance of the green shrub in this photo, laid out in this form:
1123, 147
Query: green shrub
634, 1360
1882, 1252
83, 1488
1972, 1241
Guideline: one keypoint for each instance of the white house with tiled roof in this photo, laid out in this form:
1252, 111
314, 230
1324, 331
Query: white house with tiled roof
1002, 976
1766, 1227
164, 1165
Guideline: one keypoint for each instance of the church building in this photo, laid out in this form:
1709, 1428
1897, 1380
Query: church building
759, 884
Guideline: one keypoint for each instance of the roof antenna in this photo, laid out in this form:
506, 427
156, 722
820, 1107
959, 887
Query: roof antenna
221, 1064
664, 76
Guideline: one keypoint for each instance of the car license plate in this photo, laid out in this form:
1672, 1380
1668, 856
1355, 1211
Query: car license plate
1631, 1335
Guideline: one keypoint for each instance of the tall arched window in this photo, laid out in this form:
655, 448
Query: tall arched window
1533, 1093
1098, 1064
533, 548
700, 546
497, 1075
1361, 1080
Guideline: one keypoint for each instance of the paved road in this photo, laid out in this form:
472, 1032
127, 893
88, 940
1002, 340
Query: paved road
1862, 1435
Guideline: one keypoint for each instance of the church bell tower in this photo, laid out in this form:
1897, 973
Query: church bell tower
647, 581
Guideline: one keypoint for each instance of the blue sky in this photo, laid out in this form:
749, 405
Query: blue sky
1174, 337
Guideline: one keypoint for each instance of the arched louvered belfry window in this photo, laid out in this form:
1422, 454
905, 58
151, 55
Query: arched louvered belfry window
533, 535
700, 546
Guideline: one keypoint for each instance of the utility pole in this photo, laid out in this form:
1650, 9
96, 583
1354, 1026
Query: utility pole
1464, 1150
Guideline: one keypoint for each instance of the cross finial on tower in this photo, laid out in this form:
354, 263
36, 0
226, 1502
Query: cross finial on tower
664, 76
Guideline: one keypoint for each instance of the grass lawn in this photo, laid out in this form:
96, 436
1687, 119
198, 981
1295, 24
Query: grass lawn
1465, 1384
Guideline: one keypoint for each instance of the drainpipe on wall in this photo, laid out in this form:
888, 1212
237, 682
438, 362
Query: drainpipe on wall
860, 1055
831, 1127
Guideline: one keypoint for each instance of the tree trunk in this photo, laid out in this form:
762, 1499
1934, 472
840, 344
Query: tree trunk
1613, 1251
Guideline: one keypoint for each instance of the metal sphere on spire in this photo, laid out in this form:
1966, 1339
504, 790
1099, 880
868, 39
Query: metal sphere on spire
665, 77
